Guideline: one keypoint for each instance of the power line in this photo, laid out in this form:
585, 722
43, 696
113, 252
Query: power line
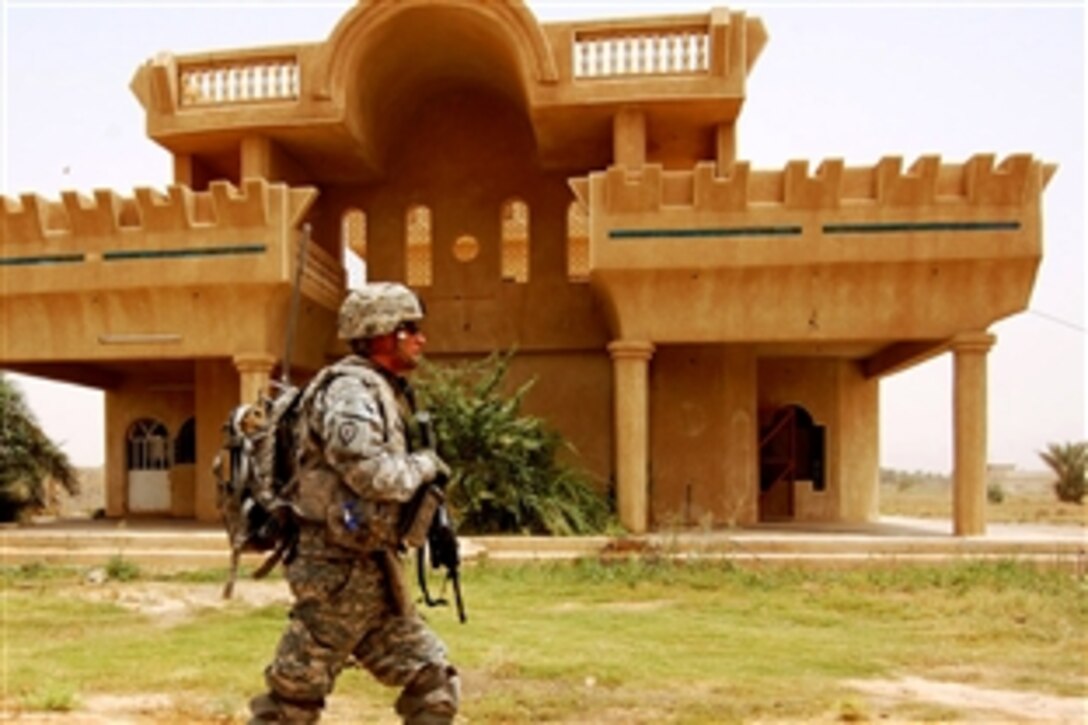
1058, 320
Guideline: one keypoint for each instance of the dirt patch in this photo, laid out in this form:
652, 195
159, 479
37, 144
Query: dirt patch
976, 702
969, 702
170, 603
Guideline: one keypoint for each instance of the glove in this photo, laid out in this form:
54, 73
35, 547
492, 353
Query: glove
431, 467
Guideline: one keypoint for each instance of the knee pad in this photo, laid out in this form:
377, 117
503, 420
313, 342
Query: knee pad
431, 697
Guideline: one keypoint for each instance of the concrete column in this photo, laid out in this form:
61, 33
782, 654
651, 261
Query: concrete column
630, 374
725, 148
629, 139
256, 158
969, 433
740, 489
254, 372
216, 394
183, 170
115, 472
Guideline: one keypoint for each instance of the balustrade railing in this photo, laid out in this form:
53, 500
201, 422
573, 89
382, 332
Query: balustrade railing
238, 81
681, 50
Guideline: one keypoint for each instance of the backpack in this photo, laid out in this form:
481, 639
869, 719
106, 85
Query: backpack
255, 473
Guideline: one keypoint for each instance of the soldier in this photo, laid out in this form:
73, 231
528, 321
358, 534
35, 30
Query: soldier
356, 472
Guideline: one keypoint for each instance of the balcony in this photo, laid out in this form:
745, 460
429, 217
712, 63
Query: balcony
180, 273
569, 78
219, 236
843, 254
213, 81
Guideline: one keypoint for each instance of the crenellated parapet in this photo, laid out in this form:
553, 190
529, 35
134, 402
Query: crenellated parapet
76, 218
978, 182
179, 237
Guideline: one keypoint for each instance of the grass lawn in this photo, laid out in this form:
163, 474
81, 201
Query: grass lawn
635, 641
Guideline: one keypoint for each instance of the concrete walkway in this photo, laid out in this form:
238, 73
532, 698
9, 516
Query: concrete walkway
187, 544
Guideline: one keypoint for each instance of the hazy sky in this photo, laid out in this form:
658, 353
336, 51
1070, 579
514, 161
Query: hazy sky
856, 81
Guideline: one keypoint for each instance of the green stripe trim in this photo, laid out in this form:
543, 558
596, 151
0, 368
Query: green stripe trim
900, 227
42, 259
130, 254
780, 231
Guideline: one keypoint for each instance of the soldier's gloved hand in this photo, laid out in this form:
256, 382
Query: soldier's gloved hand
431, 467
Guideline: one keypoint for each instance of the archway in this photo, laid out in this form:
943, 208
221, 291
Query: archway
791, 449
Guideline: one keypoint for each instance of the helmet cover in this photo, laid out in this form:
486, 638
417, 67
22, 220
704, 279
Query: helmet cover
377, 309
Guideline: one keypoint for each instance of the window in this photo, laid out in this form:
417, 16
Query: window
148, 446
577, 242
466, 248
419, 267
515, 241
353, 245
353, 232
185, 443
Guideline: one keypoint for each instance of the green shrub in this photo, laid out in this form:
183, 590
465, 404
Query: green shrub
995, 493
52, 697
121, 570
506, 474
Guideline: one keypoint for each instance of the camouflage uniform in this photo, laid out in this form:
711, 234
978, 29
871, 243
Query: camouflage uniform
351, 603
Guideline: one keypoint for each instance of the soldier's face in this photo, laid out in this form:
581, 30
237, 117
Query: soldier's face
400, 351
406, 345
410, 344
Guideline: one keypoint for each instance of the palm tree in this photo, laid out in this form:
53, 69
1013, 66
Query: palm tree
28, 459
1068, 461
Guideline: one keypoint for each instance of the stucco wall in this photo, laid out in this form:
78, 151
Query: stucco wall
573, 393
702, 435
859, 444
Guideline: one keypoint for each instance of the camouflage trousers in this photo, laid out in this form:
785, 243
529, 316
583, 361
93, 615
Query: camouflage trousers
355, 610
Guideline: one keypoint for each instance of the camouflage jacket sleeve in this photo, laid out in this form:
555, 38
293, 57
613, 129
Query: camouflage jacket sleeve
364, 442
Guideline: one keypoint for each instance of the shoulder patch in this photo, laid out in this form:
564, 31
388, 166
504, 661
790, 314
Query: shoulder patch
346, 433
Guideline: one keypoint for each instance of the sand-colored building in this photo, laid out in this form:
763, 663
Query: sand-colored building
709, 335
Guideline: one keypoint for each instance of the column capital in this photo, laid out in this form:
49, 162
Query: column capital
259, 362
631, 350
973, 342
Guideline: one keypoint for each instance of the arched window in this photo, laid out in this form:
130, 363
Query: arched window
515, 241
148, 446
185, 443
353, 244
418, 244
577, 242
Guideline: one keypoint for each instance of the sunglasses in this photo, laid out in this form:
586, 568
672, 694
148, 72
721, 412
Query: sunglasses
408, 328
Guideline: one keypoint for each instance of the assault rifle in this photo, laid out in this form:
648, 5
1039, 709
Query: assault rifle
430, 528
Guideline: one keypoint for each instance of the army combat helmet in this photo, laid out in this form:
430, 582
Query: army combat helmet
377, 309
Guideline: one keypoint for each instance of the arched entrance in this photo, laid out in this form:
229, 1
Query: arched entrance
147, 462
791, 449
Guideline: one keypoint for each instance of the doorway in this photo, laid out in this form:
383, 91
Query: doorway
792, 448
147, 461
